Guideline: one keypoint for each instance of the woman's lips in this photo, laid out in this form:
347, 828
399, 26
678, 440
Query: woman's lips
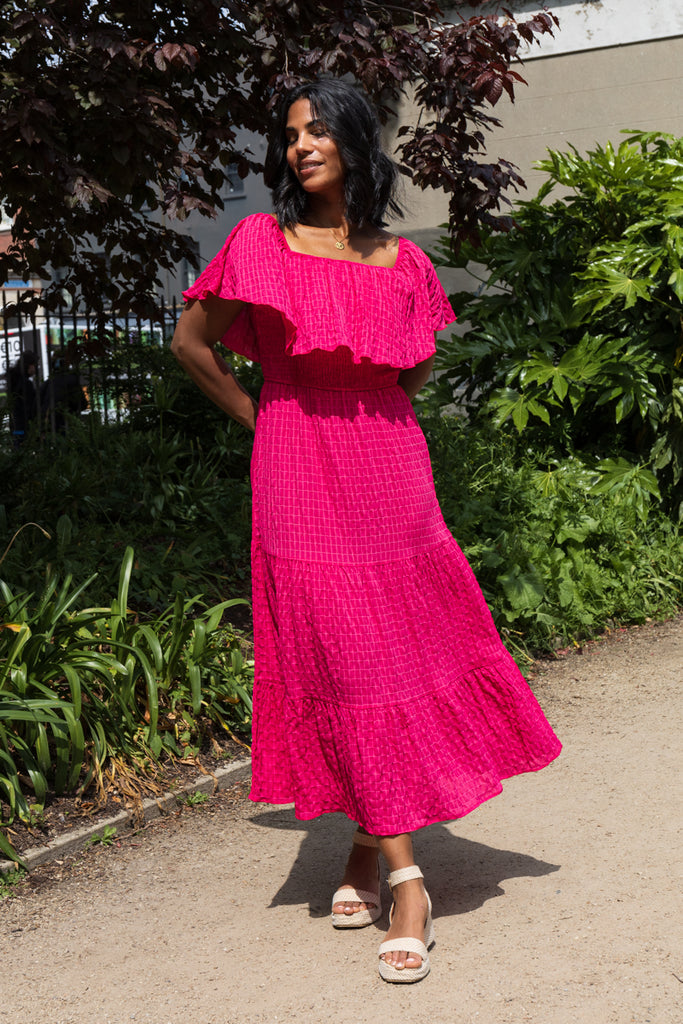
306, 169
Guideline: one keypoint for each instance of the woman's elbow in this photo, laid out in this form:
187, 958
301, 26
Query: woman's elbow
179, 345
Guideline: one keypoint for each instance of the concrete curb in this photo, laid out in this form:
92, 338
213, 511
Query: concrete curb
152, 808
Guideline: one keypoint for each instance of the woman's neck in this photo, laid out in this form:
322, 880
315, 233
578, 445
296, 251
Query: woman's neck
327, 213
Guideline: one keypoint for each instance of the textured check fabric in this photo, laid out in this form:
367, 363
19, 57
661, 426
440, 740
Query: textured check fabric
382, 688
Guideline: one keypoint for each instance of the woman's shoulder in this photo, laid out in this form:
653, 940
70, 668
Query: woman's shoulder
418, 255
256, 224
260, 219
256, 236
415, 263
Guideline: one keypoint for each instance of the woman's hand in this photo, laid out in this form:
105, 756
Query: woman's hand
413, 380
202, 323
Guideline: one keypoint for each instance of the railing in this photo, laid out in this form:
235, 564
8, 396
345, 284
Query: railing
82, 363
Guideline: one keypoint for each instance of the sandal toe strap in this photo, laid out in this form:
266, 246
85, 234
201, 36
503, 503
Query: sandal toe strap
407, 945
347, 894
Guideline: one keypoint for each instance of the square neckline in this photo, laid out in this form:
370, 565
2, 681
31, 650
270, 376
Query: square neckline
334, 259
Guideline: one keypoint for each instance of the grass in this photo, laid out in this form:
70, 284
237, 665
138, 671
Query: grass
9, 881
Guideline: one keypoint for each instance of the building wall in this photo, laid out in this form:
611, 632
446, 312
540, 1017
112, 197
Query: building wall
251, 196
9, 289
584, 98
577, 99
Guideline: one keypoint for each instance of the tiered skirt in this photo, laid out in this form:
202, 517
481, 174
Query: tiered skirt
382, 687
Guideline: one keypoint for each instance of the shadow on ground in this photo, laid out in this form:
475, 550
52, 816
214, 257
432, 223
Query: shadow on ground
461, 875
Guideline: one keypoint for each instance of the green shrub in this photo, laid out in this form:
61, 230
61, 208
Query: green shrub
577, 335
172, 481
558, 558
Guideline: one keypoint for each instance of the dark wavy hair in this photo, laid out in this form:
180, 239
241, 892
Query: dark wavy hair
371, 176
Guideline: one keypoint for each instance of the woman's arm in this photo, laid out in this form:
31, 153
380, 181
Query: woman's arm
202, 323
414, 379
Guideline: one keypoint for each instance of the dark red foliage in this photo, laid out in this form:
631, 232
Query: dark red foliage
112, 112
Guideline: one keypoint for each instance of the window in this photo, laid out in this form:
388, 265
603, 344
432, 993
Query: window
188, 274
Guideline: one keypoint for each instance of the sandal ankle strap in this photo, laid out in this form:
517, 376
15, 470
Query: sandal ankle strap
363, 839
404, 875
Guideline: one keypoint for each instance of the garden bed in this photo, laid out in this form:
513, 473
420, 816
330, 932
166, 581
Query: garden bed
63, 815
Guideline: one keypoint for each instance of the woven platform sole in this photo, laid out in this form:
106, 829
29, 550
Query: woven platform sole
347, 893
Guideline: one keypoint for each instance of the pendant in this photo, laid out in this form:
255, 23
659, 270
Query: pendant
339, 245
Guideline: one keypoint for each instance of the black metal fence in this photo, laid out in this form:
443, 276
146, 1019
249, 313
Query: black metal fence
58, 364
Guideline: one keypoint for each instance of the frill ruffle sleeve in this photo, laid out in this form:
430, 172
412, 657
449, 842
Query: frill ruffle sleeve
385, 314
249, 268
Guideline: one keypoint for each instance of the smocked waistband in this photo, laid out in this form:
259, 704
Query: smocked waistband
329, 387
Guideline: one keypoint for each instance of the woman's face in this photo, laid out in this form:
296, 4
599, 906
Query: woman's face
312, 153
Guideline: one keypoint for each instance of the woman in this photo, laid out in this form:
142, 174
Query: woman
382, 689
23, 398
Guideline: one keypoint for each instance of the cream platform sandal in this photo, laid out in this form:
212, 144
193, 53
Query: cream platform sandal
409, 974
347, 893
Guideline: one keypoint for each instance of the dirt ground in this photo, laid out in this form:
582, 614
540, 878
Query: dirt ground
555, 903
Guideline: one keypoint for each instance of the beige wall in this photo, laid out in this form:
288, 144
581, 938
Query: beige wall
577, 98
584, 98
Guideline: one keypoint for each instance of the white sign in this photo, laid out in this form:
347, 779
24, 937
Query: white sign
15, 341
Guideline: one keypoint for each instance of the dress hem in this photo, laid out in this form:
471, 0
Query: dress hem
413, 824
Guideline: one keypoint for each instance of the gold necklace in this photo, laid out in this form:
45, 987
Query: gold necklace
338, 243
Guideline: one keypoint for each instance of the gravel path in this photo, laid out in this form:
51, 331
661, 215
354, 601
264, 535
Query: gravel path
556, 903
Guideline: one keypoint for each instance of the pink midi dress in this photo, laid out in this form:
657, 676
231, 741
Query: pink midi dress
382, 688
